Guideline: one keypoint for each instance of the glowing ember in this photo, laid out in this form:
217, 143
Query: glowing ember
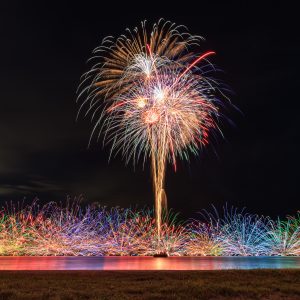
151, 117
141, 102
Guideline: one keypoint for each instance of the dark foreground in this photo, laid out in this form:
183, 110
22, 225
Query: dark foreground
230, 284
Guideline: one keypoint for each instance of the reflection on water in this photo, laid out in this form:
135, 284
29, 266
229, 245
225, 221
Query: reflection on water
147, 263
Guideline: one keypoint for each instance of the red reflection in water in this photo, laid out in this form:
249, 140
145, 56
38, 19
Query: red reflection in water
146, 263
158, 263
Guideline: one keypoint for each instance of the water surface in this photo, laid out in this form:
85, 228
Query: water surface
147, 263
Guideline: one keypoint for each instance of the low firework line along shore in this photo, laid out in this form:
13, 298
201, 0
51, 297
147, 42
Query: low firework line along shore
72, 230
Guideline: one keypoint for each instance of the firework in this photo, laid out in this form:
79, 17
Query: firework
203, 240
151, 96
239, 233
284, 236
53, 229
244, 235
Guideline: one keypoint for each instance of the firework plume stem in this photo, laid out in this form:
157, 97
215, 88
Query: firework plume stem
158, 157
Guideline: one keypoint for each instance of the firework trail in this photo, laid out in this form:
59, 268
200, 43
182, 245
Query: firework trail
150, 95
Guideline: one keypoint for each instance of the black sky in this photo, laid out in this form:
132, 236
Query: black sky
43, 150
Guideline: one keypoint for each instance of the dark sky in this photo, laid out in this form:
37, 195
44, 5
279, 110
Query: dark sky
43, 150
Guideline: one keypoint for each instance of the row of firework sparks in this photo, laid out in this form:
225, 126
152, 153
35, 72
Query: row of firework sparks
70, 230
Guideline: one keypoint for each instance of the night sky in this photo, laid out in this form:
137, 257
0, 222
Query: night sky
43, 149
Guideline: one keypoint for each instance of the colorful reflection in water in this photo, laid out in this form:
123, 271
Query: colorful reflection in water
147, 263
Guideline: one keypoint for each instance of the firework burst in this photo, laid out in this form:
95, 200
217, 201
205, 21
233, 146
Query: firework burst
239, 233
284, 236
203, 240
151, 96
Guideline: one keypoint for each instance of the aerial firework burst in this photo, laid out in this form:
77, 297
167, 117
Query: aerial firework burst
151, 96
